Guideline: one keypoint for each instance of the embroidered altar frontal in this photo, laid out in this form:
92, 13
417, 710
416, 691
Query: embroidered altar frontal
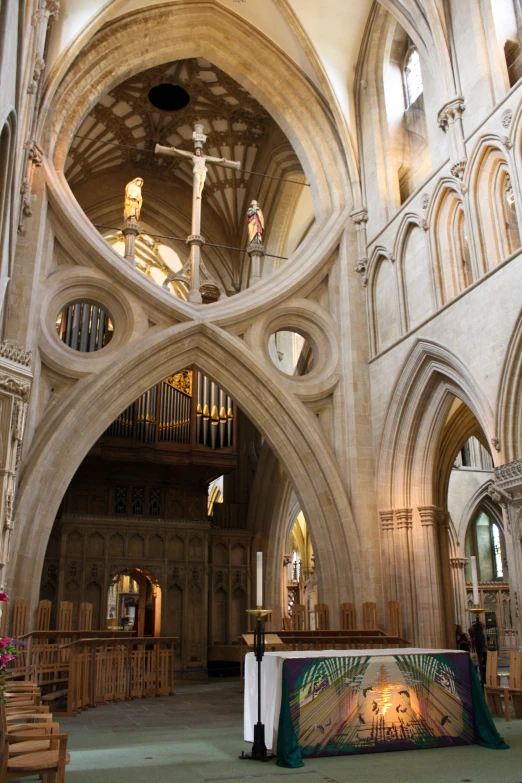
367, 704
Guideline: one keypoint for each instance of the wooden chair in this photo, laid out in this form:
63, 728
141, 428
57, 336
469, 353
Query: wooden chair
43, 621
393, 619
50, 763
321, 617
493, 690
85, 618
65, 616
369, 615
20, 618
348, 622
297, 620
275, 620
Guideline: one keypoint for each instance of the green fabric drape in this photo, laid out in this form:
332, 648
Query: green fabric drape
486, 733
288, 752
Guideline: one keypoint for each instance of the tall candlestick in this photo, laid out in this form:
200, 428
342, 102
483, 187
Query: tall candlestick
259, 580
474, 580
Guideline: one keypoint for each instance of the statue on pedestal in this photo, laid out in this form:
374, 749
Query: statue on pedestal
256, 223
133, 199
131, 216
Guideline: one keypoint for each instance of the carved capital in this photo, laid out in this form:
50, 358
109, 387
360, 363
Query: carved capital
362, 265
458, 168
458, 562
256, 249
387, 520
131, 227
404, 517
359, 217
495, 442
195, 239
428, 515
451, 111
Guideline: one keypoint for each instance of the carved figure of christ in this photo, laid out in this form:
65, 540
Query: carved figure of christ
200, 173
199, 161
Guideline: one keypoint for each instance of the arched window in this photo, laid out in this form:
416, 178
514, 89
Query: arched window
412, 76
485, 540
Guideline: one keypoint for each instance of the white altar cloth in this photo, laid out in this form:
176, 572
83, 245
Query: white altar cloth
271, 683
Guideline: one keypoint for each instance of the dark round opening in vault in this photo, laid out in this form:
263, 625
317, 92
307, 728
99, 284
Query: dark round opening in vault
169, 97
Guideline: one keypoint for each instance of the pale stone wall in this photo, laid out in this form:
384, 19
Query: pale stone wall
366, 440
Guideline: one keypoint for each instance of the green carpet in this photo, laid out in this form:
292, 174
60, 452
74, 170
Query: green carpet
196, 755
196, 736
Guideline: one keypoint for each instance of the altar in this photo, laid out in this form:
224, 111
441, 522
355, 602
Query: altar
336, 702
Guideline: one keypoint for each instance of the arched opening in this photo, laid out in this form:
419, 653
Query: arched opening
115, 143
500, 237
300, 586
406, 115
485, 541
134, 603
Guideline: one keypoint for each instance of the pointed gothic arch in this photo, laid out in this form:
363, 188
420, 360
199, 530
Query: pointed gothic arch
509, 411
95, 401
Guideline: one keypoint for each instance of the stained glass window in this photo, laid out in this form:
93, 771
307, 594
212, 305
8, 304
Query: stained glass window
499, 570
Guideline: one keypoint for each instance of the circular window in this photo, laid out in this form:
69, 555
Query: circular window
291, 352
84, 327
169, 97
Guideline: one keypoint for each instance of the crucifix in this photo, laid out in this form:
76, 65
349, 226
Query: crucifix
195, 240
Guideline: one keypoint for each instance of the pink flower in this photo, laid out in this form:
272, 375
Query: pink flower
4, 659
5, 641
4, 598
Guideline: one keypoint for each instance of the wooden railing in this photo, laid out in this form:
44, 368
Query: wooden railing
369, 639
88, 672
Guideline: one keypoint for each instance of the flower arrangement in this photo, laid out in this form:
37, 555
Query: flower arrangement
8, 651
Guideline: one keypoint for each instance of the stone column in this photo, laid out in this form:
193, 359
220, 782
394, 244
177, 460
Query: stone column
406, 571
450, 121
459, 591
388, 551
15, 384
195, 242
446, 576
506, 490
130, 230
256, 251
428, 581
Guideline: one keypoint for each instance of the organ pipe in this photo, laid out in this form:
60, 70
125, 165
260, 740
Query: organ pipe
164, 412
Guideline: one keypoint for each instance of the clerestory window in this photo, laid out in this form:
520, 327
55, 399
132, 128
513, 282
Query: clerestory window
412, 76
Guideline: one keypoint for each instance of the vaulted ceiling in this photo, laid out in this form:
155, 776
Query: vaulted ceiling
116, 141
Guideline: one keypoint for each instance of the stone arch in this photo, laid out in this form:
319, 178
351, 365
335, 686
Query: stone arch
190, 29
414, 271
415, 526
461, 426
291, 431
509, 412
116, 52
420, 401
452, 257
489, 177
479, 499
383, 301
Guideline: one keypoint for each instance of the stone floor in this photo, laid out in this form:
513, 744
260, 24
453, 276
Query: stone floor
197, 735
